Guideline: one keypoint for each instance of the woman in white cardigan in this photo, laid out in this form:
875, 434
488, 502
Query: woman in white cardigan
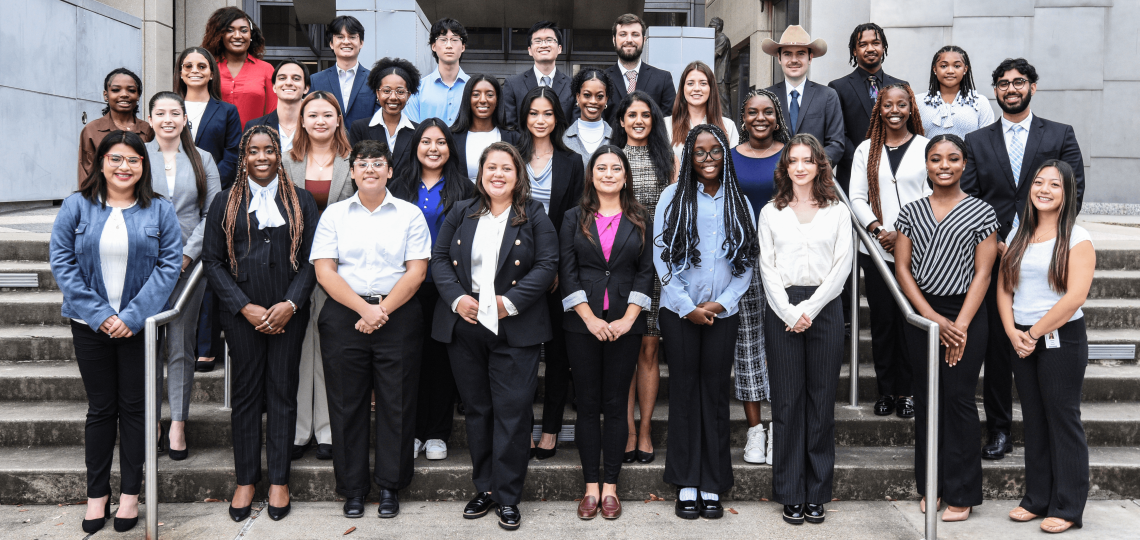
882, 182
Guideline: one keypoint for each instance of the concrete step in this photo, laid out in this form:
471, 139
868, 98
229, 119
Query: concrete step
31, 307
1100, 313
25, 246
36, 342
54, 475
15, 275
1117, 255
1115, 284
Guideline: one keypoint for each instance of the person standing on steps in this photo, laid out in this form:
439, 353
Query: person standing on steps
441, 91
809, 107
630, 73
122, 90
544, 44
348, 79
290, 85
394, 81
698, 102
246, 80
951, 104
590, 131
479, 123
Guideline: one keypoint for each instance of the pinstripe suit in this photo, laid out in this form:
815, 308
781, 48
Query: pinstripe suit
265, 367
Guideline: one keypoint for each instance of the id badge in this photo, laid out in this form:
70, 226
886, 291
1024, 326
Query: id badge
1052, 340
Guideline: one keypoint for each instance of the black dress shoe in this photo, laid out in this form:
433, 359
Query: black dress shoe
794, 514
298, 451
389, 503
354, 507
687, 509
479, 506
461, 409
278, 513
646, 457
324, 451
125, 524
543, 453
998, 446
885, 406
92, 526
904, 407
509, 516
240, 514
814, 513
204, 367
710, 509
629, 457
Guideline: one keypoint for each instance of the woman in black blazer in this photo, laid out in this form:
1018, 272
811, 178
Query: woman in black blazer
606, 275
494, 259
393, 80
479, 121
555, 174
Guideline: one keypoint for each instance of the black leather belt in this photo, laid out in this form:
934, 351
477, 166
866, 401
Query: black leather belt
373, 299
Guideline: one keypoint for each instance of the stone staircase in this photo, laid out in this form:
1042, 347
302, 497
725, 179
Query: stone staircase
43, 407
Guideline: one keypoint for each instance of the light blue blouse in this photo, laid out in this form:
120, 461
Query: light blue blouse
541, 182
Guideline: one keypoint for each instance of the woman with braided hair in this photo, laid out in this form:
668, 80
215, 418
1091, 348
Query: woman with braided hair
256, 252
882, 182
704, 249
951, 104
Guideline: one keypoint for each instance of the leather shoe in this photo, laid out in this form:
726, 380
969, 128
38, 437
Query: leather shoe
354, 507
588, 508
885, 406
479, 506
794, 514
389, 503
814, 513
240, 514
324, 451
125, 524
298, 451
544, 453
629, 457
687, 509
611, 507
92, 526
998, 446
278, 513
509, 516
710, 509
904, 407
646, 457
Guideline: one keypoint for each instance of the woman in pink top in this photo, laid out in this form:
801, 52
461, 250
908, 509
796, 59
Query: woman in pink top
247, 81
606, 277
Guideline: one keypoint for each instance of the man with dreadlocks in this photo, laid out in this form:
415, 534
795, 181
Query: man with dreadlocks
258, 267
704, 248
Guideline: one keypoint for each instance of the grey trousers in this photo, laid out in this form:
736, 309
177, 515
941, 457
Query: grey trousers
179, 349
312, 399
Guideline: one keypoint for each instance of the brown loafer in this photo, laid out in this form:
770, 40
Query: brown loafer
588, 508
611, 507
1022, 515
1055, 525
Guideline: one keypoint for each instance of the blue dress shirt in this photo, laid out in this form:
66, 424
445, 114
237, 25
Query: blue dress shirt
430, 202
437, 100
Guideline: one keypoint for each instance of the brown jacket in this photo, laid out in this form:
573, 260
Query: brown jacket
94, 133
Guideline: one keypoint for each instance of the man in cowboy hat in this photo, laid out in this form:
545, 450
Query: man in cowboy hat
808, 107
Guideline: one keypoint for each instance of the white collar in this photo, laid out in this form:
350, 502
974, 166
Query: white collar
255, 189
378, 120
262, 203
623, 70
538, 75
388, 201
1006, 124
799, 88
351, 70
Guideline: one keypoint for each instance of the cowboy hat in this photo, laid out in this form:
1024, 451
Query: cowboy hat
794, 36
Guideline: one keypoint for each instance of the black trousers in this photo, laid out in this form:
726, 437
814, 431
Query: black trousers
113, 375
434, 412
1056, 452
959, 450
602, 374
557, 369
888, 345
997, 388
803, 370
700, 385
387, 361
265, 377
497, 384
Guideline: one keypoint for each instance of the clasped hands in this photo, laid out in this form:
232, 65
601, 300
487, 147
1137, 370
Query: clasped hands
1023, 343
952, 334
705, 313
270, 321
468, 308
608, 331
115, 327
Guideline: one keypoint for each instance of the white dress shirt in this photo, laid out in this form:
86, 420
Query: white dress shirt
378, 120
624, 73
372, 248
895, 190
799, 97
347, 78
1022, 136
813, 254
477, 141
538, 75
114, 249
194, 112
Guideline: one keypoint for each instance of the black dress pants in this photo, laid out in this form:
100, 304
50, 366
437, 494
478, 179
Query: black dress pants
888, 346
1056, 453
387, 361
602, 374
700, 384
265, 377
113, 375
959, 450
497, 384
803, 370
557, 369
997, 388
434, 407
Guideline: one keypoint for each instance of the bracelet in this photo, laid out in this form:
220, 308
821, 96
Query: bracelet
1030, 332
292, 304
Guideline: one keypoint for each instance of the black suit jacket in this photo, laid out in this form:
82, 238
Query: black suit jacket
401, 154
820, 114
656, 82
265, 274
857, 106
583, 267
508, 135
271, 120
515, 89
567, 184
989, 176
528, 264
220, 135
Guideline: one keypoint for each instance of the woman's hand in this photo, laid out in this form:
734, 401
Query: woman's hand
1001, 249
599, 328
713, 307
468, 309
363, 327
255, 315
954, 354
948, 334
502, 308
186, 262
277, 316
702, 316
1023, 343
802, 324
116, 328
887, 240
553, 286
619, 328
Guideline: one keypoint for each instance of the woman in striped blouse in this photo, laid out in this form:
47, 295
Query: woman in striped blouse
944, 254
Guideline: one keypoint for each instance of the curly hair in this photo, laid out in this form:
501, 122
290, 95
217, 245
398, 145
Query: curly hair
219, 23
780, 133
823, 185
387, 66
1020, 64
877, 134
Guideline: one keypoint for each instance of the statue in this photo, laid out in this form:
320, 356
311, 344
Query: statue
721, 49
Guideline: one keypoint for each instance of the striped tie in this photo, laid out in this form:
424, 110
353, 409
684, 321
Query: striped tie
545, 81
632, 76
1016, 152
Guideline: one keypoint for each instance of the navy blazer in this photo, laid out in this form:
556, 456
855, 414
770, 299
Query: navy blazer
515, 89
506, 135
528, 264
401, 154
989, 176
656, 82
820, 115
857, 105
361, 100
271, 120
583, 268
220, 135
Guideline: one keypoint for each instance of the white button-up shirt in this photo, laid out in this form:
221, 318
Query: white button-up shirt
347, 78
372, 248
799, 97
538, 76
378, 120
1023, 135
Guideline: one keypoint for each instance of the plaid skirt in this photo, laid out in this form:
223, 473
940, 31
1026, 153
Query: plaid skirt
750, 361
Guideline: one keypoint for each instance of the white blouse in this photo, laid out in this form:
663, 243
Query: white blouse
477, 141
895, 190
729, 131
957, 118
1034, 297
194, 112
485, 247
113, 250
813, 254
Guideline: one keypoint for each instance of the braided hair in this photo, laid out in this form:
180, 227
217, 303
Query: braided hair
877, 134
781, 133
854, 41
240, 194
679, 235
965, 87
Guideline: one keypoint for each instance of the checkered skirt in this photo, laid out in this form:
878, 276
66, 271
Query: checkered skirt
750, 361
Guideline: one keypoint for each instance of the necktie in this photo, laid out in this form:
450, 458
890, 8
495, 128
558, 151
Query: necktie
794, 110
1016, 153
545, 81
632, 76
874, 91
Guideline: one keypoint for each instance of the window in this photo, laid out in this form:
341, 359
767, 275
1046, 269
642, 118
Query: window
664, 18
485, 39
286, 37
280, 27
784, 14
601, 40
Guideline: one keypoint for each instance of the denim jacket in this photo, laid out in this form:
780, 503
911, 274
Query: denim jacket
154, 260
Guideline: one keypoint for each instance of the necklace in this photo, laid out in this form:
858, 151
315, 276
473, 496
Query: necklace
752, 151
322, 167
168, 162
904, 141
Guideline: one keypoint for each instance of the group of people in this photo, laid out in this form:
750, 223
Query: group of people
377, 240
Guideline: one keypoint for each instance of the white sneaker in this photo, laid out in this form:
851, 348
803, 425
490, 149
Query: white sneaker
416, 449
754, 450
768, 458
435, 449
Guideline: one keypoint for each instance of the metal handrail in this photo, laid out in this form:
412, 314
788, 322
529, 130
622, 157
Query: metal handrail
151, 373
931, 328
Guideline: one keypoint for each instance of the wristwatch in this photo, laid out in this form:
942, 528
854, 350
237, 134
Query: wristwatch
876, 232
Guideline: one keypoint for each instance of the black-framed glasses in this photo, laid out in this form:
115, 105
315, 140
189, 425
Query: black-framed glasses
716, 154
1018, 84
118, 159
365, 165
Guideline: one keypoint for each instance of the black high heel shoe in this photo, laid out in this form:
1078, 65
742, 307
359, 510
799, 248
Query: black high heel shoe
92, 526
543, 453
177, 455
240, 514
204, 367
629, 457
125, 524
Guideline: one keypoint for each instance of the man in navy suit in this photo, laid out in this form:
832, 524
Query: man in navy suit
544, 45
630, 73
348, 79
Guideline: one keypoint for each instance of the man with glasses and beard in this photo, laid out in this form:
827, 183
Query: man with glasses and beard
630, 73
1001, 161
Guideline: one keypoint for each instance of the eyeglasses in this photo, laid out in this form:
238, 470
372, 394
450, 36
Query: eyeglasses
400, 92
344, 39
117, 160
365, 165
454, 41
1018, 84
544, 41
716, 154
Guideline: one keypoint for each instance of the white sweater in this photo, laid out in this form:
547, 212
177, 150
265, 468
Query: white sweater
895, 191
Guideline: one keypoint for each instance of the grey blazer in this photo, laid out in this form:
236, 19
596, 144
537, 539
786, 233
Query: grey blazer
342, 186
185, 196
821, 114
573, 141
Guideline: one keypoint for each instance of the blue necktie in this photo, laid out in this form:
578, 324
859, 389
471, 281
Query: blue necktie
794, 110
544, 82
1016, 153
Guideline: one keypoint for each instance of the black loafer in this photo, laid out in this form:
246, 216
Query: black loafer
998, 446
354, 507
204, 367
479, 506
687, 509
509, 516
904, 407
794, 514
885, 406
629, 457
298, 451
324, 451
389, 503
278, 513
240, 514
814, 513
646, 457
710, 509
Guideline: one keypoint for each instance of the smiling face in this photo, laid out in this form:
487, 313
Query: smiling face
608, 174
944, 164
629, 40
637, 122
1014, 100
950, 68
261, 158
371, 175
696, 88
760, 118
346, 46
195, 71
122, 178
544, 46
237, 37
708, 157
592, 100
432, 150
895, 111
167, 118
794, 62
499, 176
320, 120
540, 119
389, 94
802, 168
484, 100
1048, 190
122, 94
869, 50
448, 47
290, 84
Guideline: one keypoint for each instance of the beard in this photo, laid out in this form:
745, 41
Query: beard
1020, 107
629, 57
